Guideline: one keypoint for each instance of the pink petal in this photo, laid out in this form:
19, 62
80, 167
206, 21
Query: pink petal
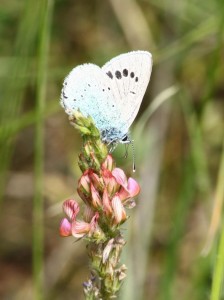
65, 228
123, 194
120, 176
71, 208
107, 250
80, 228
84, 183
118, 208
96, 200
130, 191
106, 203
94, 220
108, 163
88, 213
96, 180
133, 187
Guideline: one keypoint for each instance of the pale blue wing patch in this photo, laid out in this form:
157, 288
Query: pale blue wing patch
88, 89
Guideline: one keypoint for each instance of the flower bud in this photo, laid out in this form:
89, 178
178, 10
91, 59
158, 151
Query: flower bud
108, 163
107, 250
96, 200
87, 149
110, 182
95, 161
122, 272
84, 187
100, 148
106, 203
84, 183
96, 180
83, 163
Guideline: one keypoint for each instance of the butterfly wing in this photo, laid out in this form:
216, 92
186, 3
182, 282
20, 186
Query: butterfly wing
88, 89
129, 76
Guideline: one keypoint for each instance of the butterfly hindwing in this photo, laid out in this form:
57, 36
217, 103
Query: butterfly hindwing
88, 89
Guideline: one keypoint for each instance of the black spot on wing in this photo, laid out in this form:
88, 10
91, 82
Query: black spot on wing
110, 74
136, 79
118, 74
125, 72
132, 74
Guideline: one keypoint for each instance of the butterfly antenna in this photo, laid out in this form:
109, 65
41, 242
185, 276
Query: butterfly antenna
133, 156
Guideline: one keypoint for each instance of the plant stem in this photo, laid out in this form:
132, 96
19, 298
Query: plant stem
45, 13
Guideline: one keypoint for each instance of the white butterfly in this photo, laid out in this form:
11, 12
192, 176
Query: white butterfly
111, 95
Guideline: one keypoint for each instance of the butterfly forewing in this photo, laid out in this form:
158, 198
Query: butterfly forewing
129, 75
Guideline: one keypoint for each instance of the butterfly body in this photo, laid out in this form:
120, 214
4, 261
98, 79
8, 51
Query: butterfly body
111, 95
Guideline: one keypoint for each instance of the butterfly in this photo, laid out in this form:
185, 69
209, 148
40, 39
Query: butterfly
111, 95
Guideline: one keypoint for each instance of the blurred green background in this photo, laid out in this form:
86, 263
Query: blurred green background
173, 239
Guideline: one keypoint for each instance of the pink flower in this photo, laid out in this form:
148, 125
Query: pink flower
106, 195
110, 181
118, 209
132, 189
71, 209
74, 227
129, 188
81, 228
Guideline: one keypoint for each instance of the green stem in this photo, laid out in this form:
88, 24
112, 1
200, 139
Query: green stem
45, 14
219, 270
219, 266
